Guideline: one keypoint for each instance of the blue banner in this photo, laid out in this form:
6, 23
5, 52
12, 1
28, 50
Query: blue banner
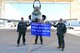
40, 29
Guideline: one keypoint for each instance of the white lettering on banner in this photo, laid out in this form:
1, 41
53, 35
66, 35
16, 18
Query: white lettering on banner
46, 28
39, 30
44, 24
45, 31
33, 30
34, 27
34, 24
43, 27
40, 27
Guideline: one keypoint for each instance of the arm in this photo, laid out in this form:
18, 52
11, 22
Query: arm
55, 25
18, 27
28, 24
64, 29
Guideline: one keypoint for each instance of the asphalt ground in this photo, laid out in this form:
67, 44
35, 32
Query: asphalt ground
8, 39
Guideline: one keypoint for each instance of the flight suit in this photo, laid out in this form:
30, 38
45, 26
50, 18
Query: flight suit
61, 29
41, 39
21, 28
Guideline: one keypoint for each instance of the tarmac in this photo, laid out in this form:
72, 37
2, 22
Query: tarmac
8, 39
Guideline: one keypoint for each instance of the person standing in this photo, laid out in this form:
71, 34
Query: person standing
36, 38
21, 29
61, 30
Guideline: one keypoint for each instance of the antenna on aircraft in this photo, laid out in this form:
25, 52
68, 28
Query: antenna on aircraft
37, 3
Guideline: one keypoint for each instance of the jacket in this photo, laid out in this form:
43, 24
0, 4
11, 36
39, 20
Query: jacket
61, 28
22, 26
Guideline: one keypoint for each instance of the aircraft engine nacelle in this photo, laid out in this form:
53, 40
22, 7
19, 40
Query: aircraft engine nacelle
36, 16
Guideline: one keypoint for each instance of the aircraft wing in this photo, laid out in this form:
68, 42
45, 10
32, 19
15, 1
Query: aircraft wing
64, 20
11, 20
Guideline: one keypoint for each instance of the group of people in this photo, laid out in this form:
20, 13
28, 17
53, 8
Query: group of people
61, 30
